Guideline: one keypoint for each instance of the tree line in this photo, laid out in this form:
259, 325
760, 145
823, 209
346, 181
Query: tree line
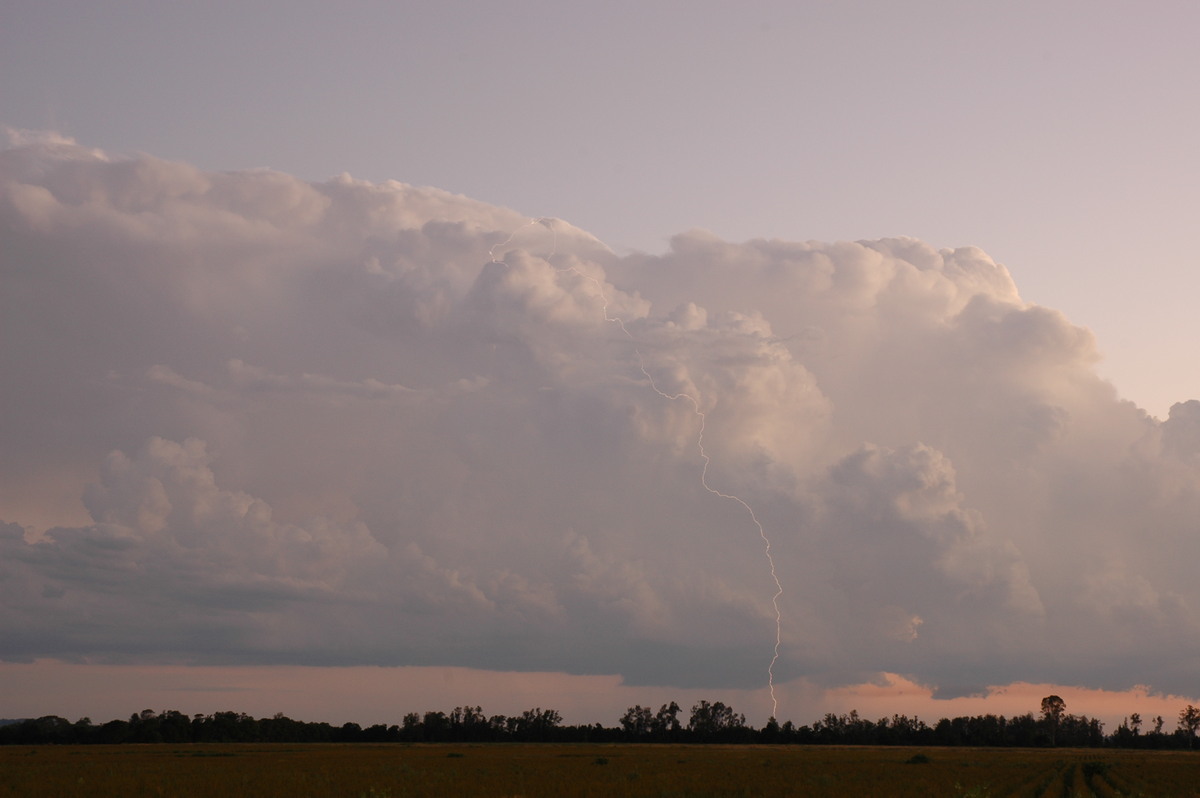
706, 723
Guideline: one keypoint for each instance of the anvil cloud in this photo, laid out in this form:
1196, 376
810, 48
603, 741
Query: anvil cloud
250, 419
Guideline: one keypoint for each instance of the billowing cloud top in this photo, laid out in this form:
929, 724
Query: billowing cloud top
253, 419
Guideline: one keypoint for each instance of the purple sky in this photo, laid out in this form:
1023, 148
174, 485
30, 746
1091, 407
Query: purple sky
264, 418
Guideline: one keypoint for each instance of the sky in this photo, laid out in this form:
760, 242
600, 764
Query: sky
493, 345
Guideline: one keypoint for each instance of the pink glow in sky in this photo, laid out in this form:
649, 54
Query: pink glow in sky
368, 695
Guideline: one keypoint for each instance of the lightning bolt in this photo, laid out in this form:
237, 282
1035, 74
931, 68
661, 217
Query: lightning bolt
548, 222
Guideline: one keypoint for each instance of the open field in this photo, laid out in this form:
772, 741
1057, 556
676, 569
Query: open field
296, 771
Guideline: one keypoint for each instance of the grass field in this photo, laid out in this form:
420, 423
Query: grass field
297, 771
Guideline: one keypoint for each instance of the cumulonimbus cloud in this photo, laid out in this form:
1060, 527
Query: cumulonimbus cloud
250, 418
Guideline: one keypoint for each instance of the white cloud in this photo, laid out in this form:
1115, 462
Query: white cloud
354, 423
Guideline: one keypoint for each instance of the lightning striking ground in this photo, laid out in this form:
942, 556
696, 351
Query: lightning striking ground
548, 222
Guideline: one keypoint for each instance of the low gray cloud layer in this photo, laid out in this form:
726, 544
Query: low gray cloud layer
253, 419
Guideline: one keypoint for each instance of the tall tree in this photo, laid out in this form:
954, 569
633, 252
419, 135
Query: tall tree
666, 721
1053, 710
1189, 722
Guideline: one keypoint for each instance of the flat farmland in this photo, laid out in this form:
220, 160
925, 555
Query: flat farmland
394, 770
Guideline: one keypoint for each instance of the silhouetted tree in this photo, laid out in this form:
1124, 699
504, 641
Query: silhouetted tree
435, 727
715, 721
1189, 722
771, 732
666, 722
537, 724
468, 723
1053, 709
174, 727
637, 722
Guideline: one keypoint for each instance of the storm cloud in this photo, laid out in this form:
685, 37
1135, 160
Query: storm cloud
252, 419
